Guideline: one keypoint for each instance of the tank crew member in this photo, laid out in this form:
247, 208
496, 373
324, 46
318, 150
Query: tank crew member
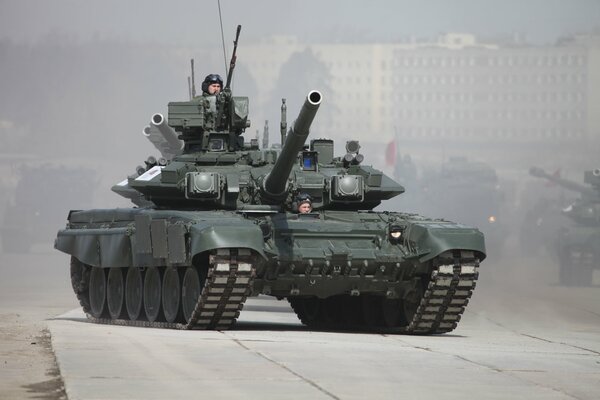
304, 203
213, 84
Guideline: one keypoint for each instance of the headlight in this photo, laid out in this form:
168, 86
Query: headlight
396, 232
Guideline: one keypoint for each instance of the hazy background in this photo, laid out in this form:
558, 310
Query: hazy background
80, 79
194, 23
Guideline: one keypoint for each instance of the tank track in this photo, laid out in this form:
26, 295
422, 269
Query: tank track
228, 283
451, 284
445, 294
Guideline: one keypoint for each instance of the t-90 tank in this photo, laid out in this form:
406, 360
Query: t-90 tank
218, 222
578, 245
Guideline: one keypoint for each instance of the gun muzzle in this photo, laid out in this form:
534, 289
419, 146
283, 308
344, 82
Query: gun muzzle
275, 182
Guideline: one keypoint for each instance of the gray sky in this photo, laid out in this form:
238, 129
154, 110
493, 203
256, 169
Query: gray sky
193, 22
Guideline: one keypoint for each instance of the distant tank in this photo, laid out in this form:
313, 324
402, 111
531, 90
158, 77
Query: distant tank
578, 245
467, 191
219, 222
35, 207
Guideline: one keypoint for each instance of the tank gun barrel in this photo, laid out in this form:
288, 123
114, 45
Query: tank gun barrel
275, 182
567, 184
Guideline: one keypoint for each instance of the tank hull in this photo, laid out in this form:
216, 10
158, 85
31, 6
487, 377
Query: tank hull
338, 269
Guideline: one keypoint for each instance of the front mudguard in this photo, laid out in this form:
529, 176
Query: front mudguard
209, 237
431, 240
97, 247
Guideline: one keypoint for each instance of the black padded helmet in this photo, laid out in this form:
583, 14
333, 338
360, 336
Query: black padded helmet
210, 79
303, 198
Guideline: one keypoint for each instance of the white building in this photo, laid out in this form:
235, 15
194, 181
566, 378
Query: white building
453, 89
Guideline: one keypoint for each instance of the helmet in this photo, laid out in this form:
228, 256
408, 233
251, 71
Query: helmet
210, 79
303, 198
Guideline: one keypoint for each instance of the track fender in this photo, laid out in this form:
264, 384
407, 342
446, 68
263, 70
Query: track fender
204, 237
97, 247
435, 239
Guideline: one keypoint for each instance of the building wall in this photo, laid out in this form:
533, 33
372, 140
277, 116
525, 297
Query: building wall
592, 46
454, 89
474, 93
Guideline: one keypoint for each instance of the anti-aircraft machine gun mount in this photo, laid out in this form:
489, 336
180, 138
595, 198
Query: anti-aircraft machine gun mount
216, 222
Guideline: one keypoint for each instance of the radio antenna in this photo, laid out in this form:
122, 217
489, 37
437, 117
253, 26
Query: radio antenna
223, 39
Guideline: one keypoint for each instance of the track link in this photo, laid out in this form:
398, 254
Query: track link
228, 283
447, 294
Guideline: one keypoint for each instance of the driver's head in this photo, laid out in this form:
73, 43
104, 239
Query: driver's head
304, 203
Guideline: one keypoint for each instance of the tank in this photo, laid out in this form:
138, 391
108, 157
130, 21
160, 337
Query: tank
578, 244
460, 189
218, 223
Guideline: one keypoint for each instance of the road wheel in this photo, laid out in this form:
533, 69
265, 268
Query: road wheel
410, 304
115, 292
133, 293
191, 289
171, 294
97, 290
80, 281
152, 294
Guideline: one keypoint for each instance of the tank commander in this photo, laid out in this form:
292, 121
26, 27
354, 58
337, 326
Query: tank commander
304, 203
212, 85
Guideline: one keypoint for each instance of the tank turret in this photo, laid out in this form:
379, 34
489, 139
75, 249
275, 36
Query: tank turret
275, 182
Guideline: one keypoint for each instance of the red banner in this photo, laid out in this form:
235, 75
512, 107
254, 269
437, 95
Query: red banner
390, 153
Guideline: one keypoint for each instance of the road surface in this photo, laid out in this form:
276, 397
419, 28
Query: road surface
522, 337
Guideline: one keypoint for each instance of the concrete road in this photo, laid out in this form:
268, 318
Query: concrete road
522, 337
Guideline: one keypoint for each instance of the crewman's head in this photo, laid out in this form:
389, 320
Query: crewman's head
304, 203
213, 84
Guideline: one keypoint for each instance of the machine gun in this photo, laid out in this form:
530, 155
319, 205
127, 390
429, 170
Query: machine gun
233, 58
